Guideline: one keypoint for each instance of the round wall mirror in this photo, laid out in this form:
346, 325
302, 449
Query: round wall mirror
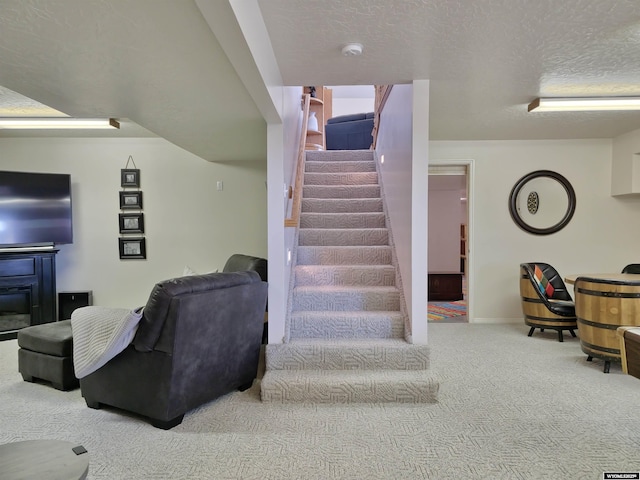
542, 202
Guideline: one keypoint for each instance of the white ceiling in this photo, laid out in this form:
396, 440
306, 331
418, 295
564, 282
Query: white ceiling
160, 67
486, 59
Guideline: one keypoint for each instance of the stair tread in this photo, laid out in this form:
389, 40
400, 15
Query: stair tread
343, 266
319, 166
372, 229
353, 343
344, 288
349, 254
342, 205
359, 214
345, 247
348, 313
339, 155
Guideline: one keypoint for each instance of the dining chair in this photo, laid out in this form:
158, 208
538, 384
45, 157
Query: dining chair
546, 303
632, 268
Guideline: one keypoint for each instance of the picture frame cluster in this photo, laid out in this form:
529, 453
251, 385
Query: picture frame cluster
131, 218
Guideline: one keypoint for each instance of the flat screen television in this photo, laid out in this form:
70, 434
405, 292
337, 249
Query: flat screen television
35, 209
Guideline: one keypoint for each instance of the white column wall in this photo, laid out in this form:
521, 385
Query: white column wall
281, 239
394, 144
420, 205
403, 140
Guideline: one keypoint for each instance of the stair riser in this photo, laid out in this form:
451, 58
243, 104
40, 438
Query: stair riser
351, 275
354, 178
343, 301
415, 392
359, 205
345, 328
342, 220
341, 191
344, 255
293, 356
339, 167
342, 237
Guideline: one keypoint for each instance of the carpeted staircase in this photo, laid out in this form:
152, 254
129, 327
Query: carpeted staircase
346, 329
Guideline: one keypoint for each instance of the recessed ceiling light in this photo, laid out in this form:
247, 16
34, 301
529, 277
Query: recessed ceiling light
56, 123
352, 50
570, 104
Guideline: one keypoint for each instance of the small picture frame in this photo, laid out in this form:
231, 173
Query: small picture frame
130, 177
132, 248
130, 200
131, 222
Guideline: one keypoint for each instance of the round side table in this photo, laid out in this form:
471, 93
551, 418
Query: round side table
40, 459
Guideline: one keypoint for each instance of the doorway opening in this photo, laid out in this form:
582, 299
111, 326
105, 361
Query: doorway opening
448, 243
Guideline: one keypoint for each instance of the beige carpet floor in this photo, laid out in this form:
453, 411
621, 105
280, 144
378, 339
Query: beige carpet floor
510, 407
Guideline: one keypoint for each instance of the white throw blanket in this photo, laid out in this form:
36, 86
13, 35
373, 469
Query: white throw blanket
99, 334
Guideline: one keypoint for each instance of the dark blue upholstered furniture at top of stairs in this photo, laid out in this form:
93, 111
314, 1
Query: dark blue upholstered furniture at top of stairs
349, 132
199, 339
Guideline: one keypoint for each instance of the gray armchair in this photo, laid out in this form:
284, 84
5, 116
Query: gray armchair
199, 339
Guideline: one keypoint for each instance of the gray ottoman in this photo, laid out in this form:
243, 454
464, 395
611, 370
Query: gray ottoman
46, 353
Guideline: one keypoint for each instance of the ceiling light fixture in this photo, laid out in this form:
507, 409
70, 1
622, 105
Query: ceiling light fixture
584, 104
352, 50
58, 122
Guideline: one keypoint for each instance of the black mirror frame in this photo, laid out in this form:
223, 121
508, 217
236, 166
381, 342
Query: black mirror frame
513, 197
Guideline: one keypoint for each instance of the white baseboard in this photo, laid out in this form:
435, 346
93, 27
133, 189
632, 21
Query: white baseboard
497, 320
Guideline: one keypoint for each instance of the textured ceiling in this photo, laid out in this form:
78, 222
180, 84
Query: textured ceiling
155, 62
486, 59
13, 104
159, 67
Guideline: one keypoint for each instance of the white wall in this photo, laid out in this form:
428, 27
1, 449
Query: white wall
395, 145
445, 217
346, 106
291, 125
187, 222
625, 178
348, 99
601, 237
419, 205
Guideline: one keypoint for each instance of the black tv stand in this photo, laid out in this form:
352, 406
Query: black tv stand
27, 289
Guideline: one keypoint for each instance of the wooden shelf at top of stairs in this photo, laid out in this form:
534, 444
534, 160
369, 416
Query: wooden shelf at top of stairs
321, 105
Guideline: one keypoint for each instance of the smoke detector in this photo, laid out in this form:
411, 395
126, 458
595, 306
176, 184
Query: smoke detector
352, 50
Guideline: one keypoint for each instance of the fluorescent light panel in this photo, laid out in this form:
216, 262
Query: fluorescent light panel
584, 104
56, 123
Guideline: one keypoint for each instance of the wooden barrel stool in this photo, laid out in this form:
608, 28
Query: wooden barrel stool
601, 307
540, 311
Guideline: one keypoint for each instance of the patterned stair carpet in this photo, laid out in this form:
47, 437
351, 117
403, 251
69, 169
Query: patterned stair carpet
346, 326
439, 311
